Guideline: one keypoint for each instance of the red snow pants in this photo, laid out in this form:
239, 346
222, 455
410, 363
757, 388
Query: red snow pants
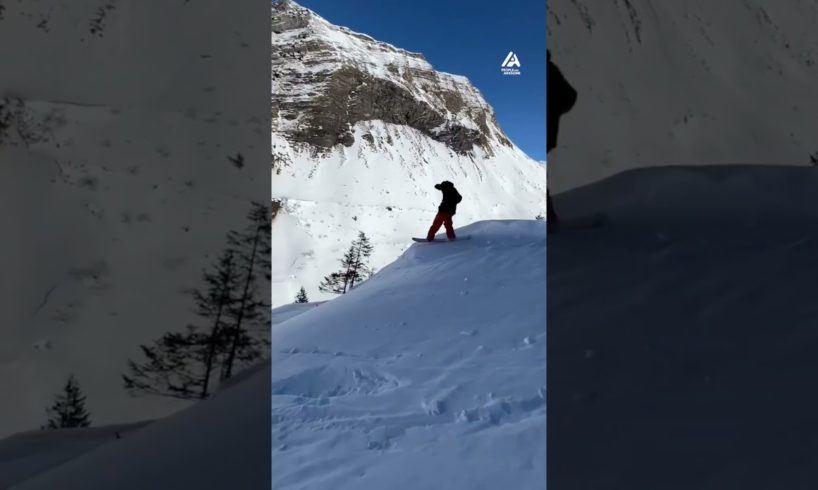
441, 219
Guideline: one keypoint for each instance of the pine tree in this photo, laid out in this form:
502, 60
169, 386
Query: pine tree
354, 267
68, 410
170, 369
181, 365
361, 269
252, 249
261, 215
218, 304
301, 297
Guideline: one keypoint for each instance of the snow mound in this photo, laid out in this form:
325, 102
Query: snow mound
687, 325
221, 442
284, 313
741, 195
430, 373
25, 455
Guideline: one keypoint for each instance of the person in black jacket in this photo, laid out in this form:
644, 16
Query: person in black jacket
561, 97
445, 211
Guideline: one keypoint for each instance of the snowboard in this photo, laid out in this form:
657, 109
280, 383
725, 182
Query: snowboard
423, 240
581, 222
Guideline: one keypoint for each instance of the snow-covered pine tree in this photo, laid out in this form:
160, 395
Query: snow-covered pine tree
68, 410
301, 297
180, 365
354, 267
252, 250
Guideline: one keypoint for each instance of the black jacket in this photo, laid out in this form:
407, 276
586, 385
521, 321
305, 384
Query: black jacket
561, 97
450, 197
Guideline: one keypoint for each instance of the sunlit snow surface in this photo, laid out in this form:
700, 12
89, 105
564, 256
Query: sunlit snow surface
429, 375
387, 191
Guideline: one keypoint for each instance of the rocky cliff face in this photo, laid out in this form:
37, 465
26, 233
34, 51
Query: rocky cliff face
327, 78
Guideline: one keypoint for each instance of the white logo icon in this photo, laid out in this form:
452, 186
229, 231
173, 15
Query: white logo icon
511, 65
511, 60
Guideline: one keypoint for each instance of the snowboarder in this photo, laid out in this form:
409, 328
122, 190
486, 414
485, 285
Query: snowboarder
446, 210
561, 97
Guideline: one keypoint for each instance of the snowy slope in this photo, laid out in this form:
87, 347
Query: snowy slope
401, 128
679, 83
26, 455
222, 442
682, 335
283, 313
430, 375
122, 192
417, 369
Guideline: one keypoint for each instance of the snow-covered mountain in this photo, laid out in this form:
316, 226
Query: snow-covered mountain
362, 130
115, 171
679, 83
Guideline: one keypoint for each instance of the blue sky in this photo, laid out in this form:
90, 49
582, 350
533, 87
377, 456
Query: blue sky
470, 38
